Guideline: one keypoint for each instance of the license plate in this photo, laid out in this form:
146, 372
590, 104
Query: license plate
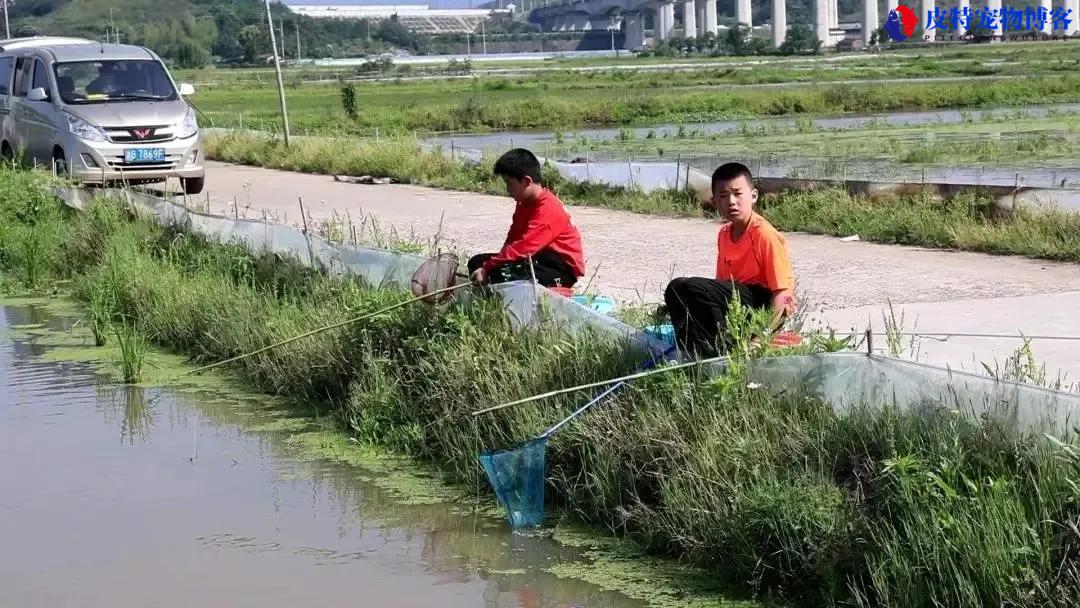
144, 155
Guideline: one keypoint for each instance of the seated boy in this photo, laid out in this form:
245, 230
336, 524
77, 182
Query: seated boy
752, 260
540, 228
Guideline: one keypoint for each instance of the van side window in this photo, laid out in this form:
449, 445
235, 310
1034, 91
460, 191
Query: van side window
22, 83
41, 77
6, 64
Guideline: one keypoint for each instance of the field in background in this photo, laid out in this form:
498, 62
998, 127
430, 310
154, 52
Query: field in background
576, 93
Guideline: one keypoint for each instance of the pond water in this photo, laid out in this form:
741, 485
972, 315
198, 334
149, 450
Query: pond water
652, 171
538, 139
128, 496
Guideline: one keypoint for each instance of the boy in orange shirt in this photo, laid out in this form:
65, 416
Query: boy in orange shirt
752, 260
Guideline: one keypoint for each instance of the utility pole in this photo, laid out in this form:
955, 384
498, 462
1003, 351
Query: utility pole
483, 36
281, 26
7, 26
298, 56
277, 68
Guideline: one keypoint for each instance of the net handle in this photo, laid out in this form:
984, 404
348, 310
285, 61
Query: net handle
647, 366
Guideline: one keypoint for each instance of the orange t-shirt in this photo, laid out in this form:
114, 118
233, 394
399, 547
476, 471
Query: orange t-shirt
759, 258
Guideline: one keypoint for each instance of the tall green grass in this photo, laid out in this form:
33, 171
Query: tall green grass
132, 353
780, 496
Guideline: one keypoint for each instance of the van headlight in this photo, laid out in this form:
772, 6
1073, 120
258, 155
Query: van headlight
189, 126
84, 130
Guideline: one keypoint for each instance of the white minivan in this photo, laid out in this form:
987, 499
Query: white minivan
100, 113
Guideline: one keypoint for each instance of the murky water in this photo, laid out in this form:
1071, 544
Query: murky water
117, 496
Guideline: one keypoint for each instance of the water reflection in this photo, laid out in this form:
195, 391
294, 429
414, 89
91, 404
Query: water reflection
88, 519
129, 407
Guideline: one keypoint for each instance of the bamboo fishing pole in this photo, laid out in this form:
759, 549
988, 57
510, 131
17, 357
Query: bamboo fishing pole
581, 387
327, 328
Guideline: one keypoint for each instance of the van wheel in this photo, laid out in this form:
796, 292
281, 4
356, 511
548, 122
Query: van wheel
7, 152
59, 161
193, 185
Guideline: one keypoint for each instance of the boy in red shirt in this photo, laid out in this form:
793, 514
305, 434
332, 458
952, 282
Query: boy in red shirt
752, 260
540, 228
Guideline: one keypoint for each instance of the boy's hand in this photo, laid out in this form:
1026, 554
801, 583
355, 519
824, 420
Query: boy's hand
479, 276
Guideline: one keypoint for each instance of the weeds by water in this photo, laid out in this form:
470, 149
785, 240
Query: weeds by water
101, 307
779, 495
132, 352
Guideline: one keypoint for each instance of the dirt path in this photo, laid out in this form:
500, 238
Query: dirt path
632, 257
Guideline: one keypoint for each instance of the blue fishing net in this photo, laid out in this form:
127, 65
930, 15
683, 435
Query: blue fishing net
517, 476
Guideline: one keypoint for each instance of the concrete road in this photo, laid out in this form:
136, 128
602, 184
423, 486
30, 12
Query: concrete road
843, 285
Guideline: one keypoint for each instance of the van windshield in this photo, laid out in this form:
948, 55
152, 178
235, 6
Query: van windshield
83, 82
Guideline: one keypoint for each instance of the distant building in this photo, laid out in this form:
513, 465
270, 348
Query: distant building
417, 17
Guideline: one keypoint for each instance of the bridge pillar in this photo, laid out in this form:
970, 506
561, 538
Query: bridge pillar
870, 20
779, 21
667, 9
689, 19
962, 6
743, 12
821, 21
710, 17
995, 5
634, 22
927, 7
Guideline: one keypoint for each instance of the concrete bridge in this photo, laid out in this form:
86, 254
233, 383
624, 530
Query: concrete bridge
699, 17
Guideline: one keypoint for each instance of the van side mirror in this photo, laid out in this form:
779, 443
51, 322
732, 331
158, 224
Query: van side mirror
37, 94
186, 89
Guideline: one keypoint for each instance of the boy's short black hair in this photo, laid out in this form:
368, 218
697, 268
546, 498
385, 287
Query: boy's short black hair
729, 171
518, 163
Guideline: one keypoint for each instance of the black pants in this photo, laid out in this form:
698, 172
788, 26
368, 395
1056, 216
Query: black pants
551, 270
698, 307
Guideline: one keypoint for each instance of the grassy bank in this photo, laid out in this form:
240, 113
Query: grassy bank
779, 496
968, 222
575, 100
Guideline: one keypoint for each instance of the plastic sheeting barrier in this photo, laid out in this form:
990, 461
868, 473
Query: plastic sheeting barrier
377, 267
850, 380
842, 380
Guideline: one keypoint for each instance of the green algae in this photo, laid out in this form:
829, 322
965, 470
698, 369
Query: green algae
620, 565
400, 477
283, 425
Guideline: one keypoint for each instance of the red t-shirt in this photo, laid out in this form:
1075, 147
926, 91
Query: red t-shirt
542, 224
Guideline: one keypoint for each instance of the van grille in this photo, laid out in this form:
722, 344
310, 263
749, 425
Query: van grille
140, 135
